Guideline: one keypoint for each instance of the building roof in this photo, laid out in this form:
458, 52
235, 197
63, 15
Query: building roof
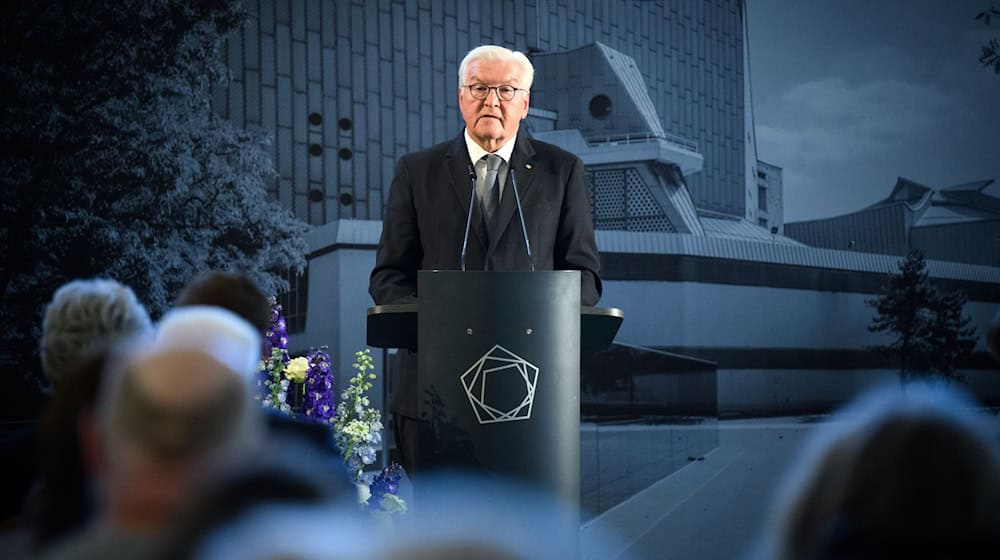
739, 229
628, 73
777, 253
946, 214
910, 192
965, 202
364, 234
971, 196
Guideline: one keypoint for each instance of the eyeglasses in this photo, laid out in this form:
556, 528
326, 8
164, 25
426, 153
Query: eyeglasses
482, 91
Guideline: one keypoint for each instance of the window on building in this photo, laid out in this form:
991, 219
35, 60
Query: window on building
295, 300
621, 201
762, 221
761, 174
761, 198
600, 106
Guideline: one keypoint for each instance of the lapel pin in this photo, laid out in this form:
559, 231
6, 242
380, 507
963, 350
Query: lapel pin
527, 166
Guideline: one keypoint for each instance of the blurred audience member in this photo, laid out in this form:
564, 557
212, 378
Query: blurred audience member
294, 531
461, 517
239, 294
225, 335
168, 411
84, 317
289, 470
912, 474
229, 290
64, 499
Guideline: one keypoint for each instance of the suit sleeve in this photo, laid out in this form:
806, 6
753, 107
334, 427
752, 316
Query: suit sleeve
400, 252
576, 246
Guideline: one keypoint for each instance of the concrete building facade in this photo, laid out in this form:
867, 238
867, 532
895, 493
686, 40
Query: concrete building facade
770, 197
349, 86
654, 98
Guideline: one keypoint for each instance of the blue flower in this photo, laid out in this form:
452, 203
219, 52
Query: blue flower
385, 482
319, 401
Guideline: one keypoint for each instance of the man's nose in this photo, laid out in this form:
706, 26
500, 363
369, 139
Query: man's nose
492, 97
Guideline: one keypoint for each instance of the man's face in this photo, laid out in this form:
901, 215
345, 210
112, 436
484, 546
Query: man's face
491, 122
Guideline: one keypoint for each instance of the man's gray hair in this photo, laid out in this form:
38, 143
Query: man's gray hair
87, 316
497, 53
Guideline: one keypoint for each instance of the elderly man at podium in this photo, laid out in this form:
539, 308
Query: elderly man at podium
530, 209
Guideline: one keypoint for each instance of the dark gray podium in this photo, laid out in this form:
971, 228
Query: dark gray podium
499, 370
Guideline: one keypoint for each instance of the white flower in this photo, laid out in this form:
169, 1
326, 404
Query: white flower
364, 493
392, 503
296, 369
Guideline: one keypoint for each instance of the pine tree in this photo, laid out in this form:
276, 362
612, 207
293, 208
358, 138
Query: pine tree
951, 336
930, 333
113, 163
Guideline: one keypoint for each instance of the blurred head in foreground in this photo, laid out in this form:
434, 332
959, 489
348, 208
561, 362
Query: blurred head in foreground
82, 322
289, 471
86, 317
229, 290
171, 408
896, 474
455, 517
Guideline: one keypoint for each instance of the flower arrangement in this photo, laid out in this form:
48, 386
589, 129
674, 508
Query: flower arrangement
304, 385
382, 498
358, 432
358, 426
274, 359
317, 380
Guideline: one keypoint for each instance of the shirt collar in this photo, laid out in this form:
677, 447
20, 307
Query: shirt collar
476, 152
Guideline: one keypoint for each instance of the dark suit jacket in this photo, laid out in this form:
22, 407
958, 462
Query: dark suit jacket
424, 224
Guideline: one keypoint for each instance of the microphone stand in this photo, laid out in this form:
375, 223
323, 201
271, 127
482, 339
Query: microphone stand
468, 219
520, 214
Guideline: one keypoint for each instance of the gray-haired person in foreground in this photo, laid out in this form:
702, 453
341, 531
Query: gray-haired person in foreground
169, 411
84, 317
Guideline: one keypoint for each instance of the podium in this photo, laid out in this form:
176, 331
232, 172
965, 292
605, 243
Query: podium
498, 366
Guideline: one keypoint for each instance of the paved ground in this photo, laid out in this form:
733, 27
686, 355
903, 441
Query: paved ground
710, 509
620, 460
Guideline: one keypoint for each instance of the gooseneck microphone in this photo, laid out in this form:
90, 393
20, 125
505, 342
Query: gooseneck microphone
468, 219
520, 214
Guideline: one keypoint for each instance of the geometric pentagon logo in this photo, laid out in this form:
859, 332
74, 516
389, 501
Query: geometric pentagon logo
500, 386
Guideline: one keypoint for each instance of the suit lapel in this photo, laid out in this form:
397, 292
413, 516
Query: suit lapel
458, 169
522, 166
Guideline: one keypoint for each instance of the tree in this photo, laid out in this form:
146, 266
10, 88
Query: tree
113, 163
990, 57
931, 334
951, 336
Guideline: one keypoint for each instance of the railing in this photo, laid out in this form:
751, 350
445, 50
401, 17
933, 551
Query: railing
642, 138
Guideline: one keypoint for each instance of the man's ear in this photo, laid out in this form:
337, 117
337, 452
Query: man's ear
92, 443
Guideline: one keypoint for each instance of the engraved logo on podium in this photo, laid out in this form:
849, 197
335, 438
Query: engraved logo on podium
506, 377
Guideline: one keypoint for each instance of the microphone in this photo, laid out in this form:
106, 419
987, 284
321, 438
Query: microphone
468, 219
520, 214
